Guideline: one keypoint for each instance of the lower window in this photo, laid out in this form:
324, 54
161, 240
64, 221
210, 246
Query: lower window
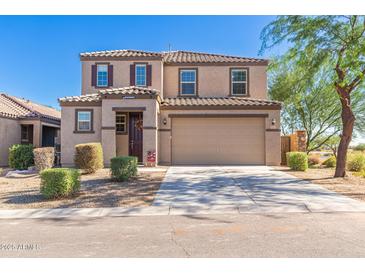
84, 120
121, 123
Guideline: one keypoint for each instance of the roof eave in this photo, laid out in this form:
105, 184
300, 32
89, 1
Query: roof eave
263, 63
121, 58
209, 107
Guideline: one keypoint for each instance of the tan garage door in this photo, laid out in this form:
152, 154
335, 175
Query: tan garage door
221, 141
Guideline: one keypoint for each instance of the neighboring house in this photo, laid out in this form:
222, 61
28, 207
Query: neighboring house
186, 107
26, 122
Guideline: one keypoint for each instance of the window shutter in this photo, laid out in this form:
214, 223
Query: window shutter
132, 80
110, 75
93, 75
149, 75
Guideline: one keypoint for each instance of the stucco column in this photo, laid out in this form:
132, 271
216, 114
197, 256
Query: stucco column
150, 137
272, 147
108, 133
273, 139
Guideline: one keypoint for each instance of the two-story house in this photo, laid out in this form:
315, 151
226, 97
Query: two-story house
188, 108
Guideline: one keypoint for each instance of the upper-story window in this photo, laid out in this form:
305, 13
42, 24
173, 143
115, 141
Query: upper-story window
188, 81
239, 81
141, 71
102, 75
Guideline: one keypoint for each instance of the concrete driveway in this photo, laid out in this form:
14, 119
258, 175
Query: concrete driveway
245, 189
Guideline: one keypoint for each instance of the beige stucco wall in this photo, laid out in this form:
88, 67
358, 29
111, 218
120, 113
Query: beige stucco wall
215, 81
272, 138
9, 135
122, 143
121, 74
69, 139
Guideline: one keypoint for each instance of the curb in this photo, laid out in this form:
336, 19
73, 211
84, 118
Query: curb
81, 212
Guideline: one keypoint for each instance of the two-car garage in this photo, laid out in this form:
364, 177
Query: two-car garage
218, 140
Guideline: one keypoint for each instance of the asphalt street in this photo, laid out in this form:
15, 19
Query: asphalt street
225, 235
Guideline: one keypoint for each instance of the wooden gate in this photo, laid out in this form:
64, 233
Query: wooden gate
285, 147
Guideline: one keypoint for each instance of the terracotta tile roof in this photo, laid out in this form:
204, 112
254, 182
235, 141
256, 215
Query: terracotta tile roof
176, 57
218, 101
200, 57
14, 107
121, 53
96, 97
132, 90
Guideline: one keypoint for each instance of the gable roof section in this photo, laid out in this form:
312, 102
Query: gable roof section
97, 97
17, 108
120, 54
189, 57
173, 57
132, 90
218, 103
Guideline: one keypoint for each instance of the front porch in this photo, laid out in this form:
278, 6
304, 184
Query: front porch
129, 128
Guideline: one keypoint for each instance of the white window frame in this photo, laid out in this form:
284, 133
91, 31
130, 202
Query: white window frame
89, 120
121, 123
145, 74
239, 82
97, 74
187, 82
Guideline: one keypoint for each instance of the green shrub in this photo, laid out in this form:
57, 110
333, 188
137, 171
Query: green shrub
297, 160
360, 147
356, 161
21, 156
362, 173
59, 182
330, 162
89, 157
43, 157
314, 159
122, 168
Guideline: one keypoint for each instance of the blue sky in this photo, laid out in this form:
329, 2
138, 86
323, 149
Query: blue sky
39, 54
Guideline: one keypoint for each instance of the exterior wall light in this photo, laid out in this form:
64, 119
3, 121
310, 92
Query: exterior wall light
273, 122
164, 121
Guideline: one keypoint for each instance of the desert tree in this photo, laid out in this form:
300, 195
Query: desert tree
339, 40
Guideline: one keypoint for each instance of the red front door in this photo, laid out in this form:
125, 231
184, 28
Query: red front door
136, 135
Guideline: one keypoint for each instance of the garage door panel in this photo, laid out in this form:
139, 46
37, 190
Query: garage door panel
218, 141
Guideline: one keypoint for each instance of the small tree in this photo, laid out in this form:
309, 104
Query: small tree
331, 143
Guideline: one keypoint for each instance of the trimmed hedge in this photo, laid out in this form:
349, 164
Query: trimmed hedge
59, 182
297, 160
330, 162
89, 157
356, 161
43, 157
21, 156
122, 168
